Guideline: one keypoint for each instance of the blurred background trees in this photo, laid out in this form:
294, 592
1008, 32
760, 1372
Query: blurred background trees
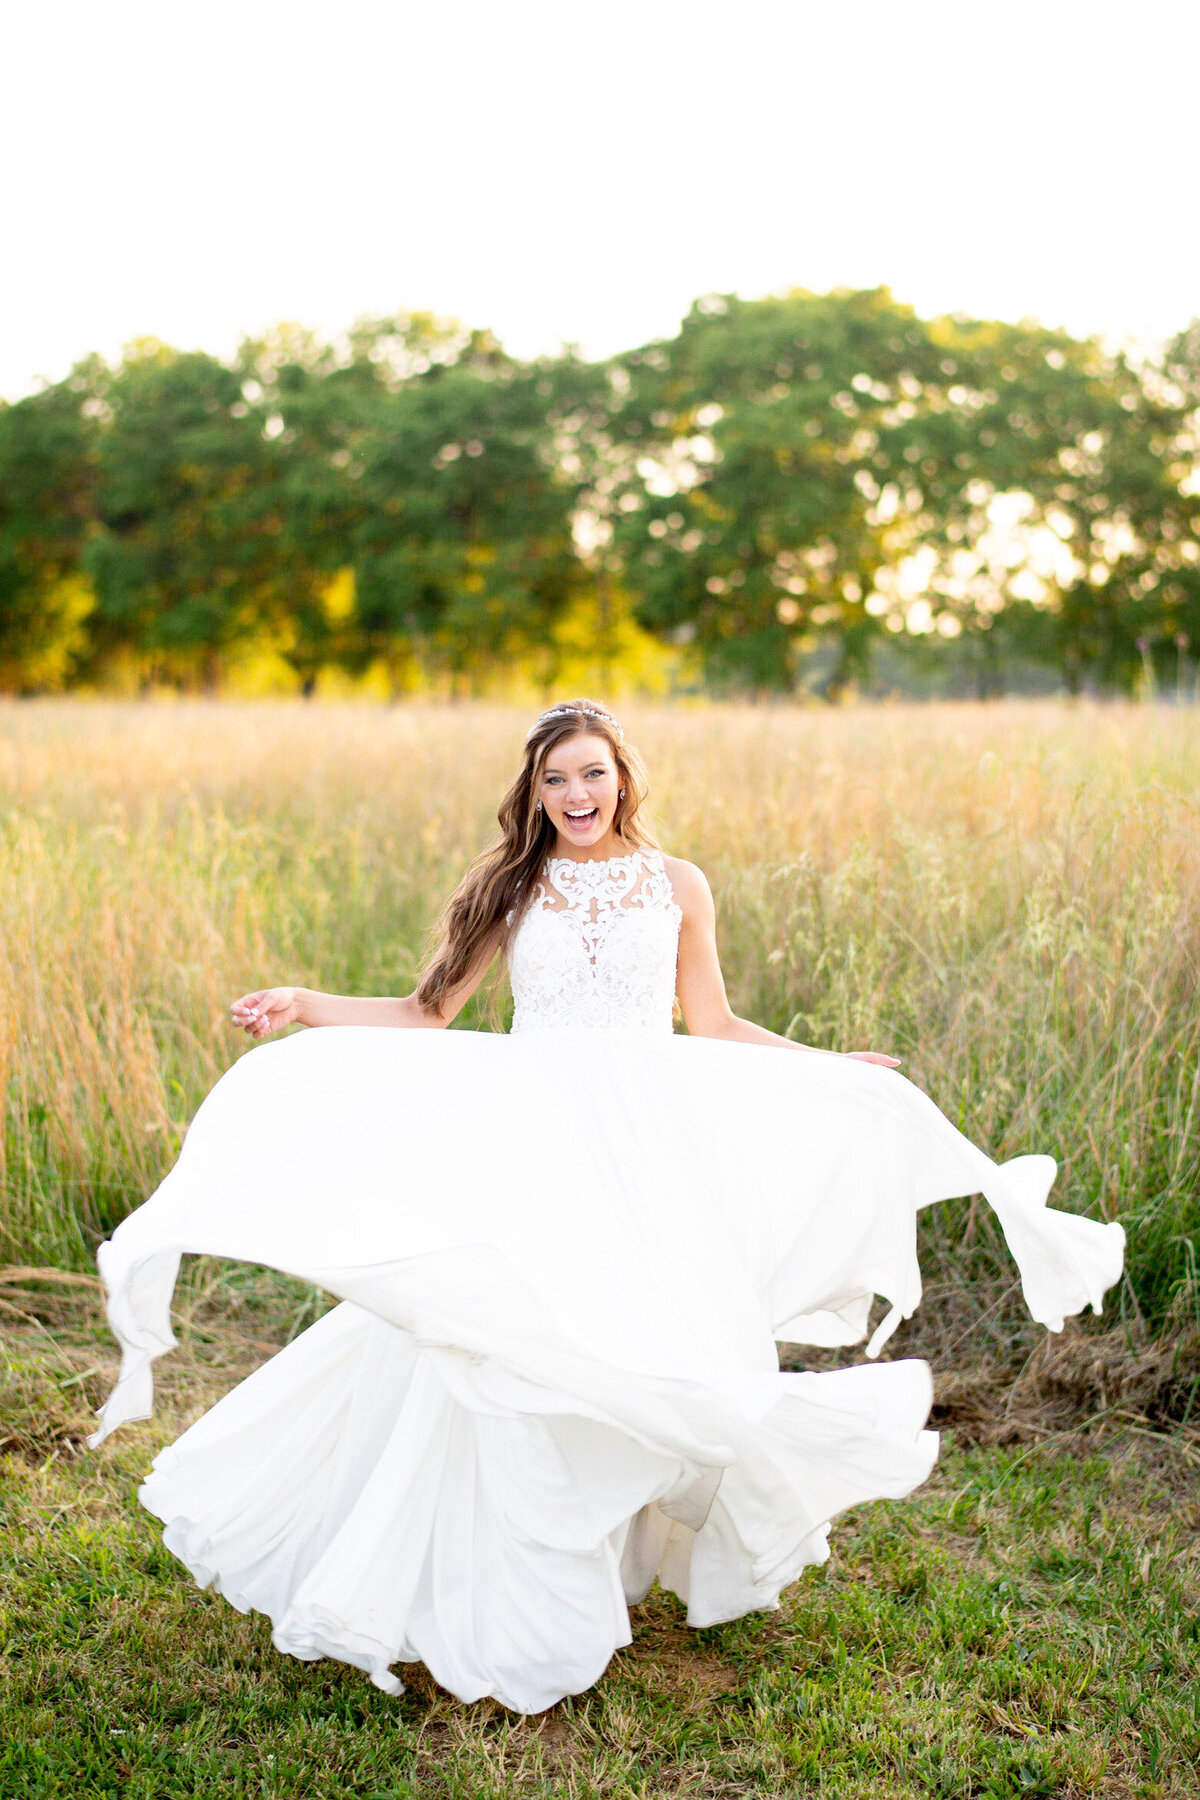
808, 492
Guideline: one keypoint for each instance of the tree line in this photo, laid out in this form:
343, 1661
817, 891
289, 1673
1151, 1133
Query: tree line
761, 503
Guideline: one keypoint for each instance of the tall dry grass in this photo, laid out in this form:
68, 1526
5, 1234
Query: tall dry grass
1006, 896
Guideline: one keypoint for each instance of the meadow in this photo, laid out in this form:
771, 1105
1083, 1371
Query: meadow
1006, 896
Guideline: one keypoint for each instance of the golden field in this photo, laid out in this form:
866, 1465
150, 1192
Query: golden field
1007, 896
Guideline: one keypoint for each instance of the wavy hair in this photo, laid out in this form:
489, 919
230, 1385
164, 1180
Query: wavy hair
474, 923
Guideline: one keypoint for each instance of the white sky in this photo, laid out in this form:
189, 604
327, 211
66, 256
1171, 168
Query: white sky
580, 173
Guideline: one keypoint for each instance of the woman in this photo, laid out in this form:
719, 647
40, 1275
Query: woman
565, 1256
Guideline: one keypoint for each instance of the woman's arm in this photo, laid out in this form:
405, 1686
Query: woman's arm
700, 983
269, 1009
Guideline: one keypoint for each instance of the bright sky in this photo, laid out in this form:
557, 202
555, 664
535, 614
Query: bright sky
581, 172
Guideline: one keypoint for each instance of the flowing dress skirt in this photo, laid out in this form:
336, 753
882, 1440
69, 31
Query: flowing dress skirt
565, 1257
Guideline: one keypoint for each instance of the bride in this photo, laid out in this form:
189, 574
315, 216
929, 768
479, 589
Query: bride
565, 1255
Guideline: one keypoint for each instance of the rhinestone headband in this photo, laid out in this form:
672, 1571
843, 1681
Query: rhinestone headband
568, 712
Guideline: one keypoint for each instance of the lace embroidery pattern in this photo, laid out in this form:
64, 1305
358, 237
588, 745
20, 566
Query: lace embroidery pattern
598, 945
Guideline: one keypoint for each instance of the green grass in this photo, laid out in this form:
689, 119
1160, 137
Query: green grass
1007, 897
1025, 1624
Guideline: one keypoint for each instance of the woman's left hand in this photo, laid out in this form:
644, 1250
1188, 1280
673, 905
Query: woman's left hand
873, 1056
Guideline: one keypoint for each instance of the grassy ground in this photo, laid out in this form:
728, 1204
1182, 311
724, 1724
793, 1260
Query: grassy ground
1008, 897
1026, 1624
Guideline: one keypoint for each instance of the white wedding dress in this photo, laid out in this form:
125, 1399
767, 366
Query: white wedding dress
565, 1256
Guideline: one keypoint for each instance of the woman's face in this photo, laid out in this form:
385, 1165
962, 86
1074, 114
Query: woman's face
579, 792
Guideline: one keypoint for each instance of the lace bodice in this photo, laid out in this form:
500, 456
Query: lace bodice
598, 945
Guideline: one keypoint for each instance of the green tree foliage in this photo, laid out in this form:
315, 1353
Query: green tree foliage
318, 414
464, 555
1048, 496
47, 503
781, 487
790, 462
190, 555
756, 442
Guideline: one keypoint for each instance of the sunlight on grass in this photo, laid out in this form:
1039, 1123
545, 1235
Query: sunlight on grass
1007, 897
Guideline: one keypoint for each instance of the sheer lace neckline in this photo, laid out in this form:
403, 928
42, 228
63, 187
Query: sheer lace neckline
598, 944
580, 863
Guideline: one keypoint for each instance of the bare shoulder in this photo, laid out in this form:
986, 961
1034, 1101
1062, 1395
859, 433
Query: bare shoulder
690, 887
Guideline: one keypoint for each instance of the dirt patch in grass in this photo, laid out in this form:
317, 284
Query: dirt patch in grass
227, 1323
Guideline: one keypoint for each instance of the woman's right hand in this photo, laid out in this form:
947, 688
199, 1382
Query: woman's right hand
266, 1010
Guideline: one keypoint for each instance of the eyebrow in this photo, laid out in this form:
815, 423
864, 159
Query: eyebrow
597, 762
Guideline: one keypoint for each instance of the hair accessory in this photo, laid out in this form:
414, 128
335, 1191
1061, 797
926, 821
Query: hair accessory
567, 712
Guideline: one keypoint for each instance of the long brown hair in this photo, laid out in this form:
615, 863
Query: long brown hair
502, 879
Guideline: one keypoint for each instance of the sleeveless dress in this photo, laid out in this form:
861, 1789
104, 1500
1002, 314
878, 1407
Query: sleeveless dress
564, 1255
